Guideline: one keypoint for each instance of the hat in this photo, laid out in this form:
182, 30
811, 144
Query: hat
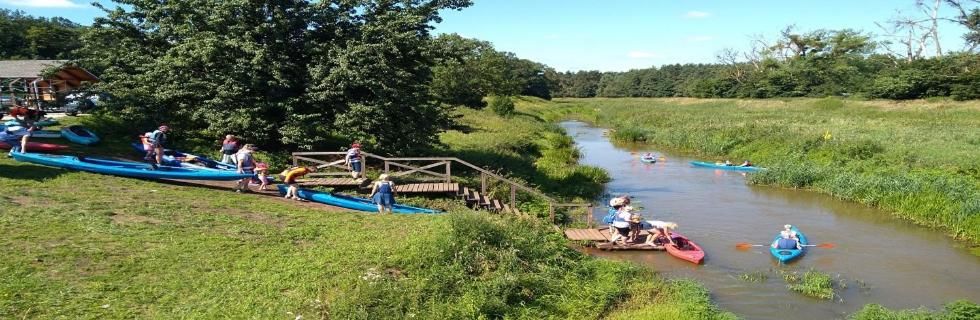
615, 202
788, 226
383, 177
355, 145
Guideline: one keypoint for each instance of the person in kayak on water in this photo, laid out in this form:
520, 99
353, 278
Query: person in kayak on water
383, 193
746, 163
246, 165
229, 148
289, 178
659, 230
17, 138
788, 239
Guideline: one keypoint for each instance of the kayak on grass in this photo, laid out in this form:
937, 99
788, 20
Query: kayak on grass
353, 203
44, 134
171, 158
685, 249
724, 167
37, 146
126, 168
79, 134
786, 255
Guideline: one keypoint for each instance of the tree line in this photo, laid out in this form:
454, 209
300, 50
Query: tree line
291, 74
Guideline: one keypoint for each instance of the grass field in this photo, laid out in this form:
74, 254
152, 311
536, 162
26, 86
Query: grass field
919, 160
80, 245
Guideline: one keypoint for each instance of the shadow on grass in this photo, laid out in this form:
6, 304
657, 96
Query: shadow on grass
30, 172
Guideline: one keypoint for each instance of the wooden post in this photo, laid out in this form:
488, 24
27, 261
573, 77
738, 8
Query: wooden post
295, 161
386, 166
588, 215
551, 212
513, 196
449, 172
483, 183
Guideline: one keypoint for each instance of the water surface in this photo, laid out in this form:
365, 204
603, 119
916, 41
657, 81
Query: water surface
878, 258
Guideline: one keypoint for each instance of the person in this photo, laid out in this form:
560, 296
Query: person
245, 162
353, 160
792, 233
746, 163
659, 230
262, 170
787, 240
229, 148
383, 193
156, 140
17, 137
635, 221
614, 205
289, 178
728, 163
621, 222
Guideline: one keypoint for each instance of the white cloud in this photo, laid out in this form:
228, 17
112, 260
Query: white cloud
641, 55
697, 14
41, 3
699, 38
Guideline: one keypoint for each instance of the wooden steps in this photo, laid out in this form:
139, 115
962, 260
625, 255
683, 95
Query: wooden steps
427, 187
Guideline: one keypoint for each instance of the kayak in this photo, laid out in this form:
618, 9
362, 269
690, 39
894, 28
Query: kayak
37, 146
724, 167
79, 134
648, 160
44, 134
685, 249
348, 202
126, 168
785, 255
46, 122
170, 158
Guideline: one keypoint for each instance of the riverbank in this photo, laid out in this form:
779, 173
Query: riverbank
95, 246
920, 161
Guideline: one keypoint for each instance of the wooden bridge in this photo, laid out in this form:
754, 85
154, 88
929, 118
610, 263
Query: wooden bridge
428, 175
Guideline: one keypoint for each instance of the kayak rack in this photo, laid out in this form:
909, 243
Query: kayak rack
435, 174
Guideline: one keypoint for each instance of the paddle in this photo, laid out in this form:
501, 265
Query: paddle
744, 246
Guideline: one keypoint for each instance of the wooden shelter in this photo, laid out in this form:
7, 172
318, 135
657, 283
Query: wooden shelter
40, 81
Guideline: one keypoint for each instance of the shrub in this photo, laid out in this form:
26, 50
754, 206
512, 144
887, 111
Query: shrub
501, 105
812, 284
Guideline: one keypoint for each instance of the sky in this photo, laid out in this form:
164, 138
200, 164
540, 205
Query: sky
618, 35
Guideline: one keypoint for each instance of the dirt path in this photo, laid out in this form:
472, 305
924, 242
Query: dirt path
272, 193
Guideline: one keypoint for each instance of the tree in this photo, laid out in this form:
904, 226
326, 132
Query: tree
278, 72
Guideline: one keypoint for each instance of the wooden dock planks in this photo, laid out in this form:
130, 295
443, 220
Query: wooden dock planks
440, 187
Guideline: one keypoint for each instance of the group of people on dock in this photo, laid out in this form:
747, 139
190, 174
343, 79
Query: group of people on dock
626, 225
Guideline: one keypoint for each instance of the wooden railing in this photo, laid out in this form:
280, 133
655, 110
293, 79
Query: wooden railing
431, 169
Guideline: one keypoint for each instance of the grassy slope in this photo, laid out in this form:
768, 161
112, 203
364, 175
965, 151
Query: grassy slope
80, 245
920, 160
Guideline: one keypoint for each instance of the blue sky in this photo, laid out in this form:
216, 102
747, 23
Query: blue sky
616, 35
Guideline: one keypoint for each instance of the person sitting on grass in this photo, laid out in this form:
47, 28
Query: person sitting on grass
383, 193
659, 231
289, 178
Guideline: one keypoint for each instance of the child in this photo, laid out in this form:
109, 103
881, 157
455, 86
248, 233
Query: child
660, 230
262, 170
635, 227
289, 178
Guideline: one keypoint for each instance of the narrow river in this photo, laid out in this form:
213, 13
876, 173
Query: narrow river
877, 258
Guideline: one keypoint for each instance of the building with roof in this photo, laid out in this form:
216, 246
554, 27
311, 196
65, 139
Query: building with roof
39, 82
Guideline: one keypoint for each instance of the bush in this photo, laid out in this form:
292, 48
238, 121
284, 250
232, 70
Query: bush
812, 284
957, 310
501, 105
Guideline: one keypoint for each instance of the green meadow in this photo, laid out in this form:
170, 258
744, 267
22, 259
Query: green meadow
919, 160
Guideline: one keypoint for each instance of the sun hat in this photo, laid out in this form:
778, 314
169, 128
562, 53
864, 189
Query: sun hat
788, 226
383, 177
615, 202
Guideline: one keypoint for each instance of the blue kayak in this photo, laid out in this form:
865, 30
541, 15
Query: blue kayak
47, 122
724, 167
785, 255
79, 134
170, 157
45, 134
353, 203
126, 168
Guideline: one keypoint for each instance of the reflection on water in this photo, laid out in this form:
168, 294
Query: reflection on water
877, 259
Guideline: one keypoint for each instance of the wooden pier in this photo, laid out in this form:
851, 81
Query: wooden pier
600, 237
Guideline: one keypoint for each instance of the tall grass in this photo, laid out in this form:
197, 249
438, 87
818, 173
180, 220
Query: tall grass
919, 160
957, 310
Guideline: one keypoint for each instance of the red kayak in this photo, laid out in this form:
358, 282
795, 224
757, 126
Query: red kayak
37, 146
685, 249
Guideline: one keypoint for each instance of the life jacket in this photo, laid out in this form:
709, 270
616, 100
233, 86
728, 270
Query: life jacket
247, 160
156, 135
355, 155
229, 147
784, 243
610, 216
